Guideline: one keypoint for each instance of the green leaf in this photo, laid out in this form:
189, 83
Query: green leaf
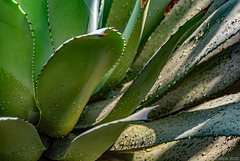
104, 12
94, 7
220, 26
94, 111
16, 86
146, 78
132, 21
90, 145
37, 14
219, 117
70, 18
19, 140
116, 74
120, 13
178, 16
206, 148
70, 76
154, 17
211, 76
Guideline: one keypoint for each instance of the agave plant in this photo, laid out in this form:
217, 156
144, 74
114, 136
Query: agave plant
119, 80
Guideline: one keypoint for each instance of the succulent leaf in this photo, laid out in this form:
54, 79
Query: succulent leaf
209, 78
84, 147
177, 17
219, 117
154, 17
86, 93
199, 45
132, 20
134, 95
71, 18
16, 86
19, 140
94, 111
70, 76
116, 74
104, 12
207, 148
37, 14
120, 13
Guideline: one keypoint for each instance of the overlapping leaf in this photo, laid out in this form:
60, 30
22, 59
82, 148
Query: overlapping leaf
206, 148
208, 79
219, 117
198, 46
146, 78
37, 14
19, 140
70, 76
86, 147
132, 34
16, 51
72, 18
178, 15
119, 14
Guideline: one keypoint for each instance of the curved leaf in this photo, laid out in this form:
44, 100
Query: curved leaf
220, 26
72, 18
219, 117
37, 14
90, 145
116, 74
120, 13
16, 86
207, 148
132, 20
210, 77
178, 15
94, 111
104, 12
155, 15
146, 78
70, 76
19, 140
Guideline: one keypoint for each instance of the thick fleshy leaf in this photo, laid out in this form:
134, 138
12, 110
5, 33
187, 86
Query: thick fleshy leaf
120, 13
207, 148
16, 86
94, 111
70, 76
206, 81
178, 15
219, 117
154, 17
19, 140
115, 75
220, 26
37, 14
132, 20
104, 12
146, 78
91, 144
72, 18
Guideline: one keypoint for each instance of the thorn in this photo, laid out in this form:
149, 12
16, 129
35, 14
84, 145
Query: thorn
143, 3
169, 6
206, 8
102, 35
18, 4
